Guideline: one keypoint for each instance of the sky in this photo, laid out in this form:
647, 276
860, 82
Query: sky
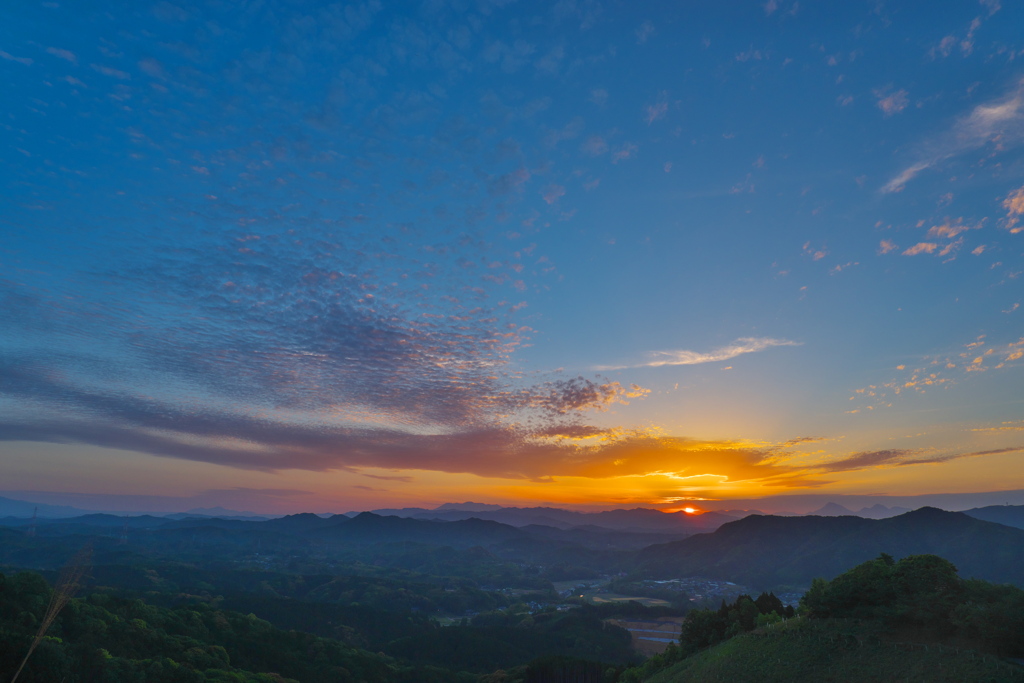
293, 255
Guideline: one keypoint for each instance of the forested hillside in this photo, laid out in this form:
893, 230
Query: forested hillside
883, 620
769, 552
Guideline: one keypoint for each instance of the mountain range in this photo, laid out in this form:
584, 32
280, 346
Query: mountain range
766, 551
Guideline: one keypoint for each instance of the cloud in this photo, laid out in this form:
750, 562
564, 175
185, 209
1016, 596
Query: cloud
27, 61
578, 394
903, 458
816, 253
859, 461
113, 73
625, 151
63, 54
658, 110
486, 452
405, 479
511, 58
892, 103
1014, 205
921, 248
950, 229
573, 431
682, 357
552, 193
645, 31
1001, 119
595, 146
885, 246
944, 47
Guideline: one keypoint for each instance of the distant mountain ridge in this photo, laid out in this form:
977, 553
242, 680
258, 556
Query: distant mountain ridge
10, 507
642, 520
766, 551
1010, 515
876, 511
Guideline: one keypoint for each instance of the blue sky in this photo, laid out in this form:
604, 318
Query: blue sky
576, 252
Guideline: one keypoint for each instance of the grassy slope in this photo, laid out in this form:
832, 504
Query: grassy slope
834, 652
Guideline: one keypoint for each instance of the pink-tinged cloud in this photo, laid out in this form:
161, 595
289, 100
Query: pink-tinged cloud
27, 61
952, 247
816, 254
1001, 119
921, 248
552, 193
656, 111
1014, 205
859, 461
113, 73
624, 152
892, 103
950, 229
885, 246
595, 146
63, 54
645, 31
684, 357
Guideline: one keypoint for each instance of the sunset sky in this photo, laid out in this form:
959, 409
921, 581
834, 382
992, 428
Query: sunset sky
292, 255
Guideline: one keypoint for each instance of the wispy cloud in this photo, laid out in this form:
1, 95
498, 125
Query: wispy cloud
645, 31
921, 248
859, 461
1001, 119
27, 61
892, 103
935, 371
63, 54
739, 347
1014, 205
904, 458
657, 110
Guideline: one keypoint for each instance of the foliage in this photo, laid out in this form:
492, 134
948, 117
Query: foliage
501, 640
704, 628
801, 548
925, 593
678, 599
109, 639
833, 650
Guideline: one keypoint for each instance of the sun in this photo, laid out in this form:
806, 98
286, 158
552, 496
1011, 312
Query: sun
689, 511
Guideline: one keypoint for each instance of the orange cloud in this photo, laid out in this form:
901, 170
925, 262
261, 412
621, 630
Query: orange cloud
921, 248
1014, 205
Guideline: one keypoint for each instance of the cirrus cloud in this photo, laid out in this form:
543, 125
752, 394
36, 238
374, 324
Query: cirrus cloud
1001, 119
739, 347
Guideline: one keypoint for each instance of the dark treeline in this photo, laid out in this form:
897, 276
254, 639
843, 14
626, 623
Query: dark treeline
112, 638
920, 599
923, 595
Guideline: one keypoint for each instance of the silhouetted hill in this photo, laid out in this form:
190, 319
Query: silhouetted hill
640, 520
368, 528
9, 507
832, 510
302, 523
766, 551
1010, 515
879, 511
